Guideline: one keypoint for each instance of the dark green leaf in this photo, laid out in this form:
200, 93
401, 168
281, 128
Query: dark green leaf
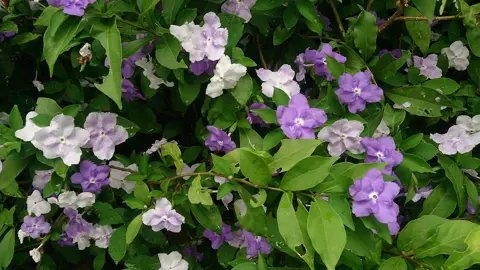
117, 248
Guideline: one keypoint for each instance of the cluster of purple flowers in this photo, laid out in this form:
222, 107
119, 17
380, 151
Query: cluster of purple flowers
318, 60
72, 7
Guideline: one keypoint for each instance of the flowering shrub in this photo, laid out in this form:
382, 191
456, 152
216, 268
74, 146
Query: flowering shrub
239, 134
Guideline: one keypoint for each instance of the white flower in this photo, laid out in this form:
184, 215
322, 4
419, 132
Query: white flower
186, 170
149, 72
37, 205
62, 139
227, 199
28, 132
21, 235
156, 145
382, 130
86, 52
85, 199
457, 55
172, 261
220, 180
472, 173
35, 254
471, 125
185, 34
456, 140
281, 79
82, 239
4, 118
117, 177
101, 235
402, 106
38, 85
226, 76
69, 199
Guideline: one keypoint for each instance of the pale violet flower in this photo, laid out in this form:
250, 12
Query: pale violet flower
36, 254
185, 34
61, 139
37, 205
402, 106
471, 125
241, 8
156, 146
28, 132
382, 130
422, 193
172, 261
105, 134
117, 177
86, 52
41, 179
101, 235
149, 71
220, 180
341, 136
69, 199
38, 85
188, 170
226, 76
227, 199
456, 140
163, 216
281, 79
428, 66
457, 55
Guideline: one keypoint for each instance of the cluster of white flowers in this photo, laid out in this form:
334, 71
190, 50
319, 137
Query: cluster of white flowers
460, 138
69, 199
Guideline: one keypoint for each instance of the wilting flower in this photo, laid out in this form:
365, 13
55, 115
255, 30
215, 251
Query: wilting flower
191, 251
298, 120
382, 150
226, 76
41, 179
326, 20
281, 79
37, 205
91, 177
78, 229
241, 8
341, 136
105, 134
382, 130
34, 227
356, 91
28, 132
86, 52
219, 141
163, 217
36, 254
428, 66
204, 66
101, 235
372, 195
39, 85
217, 240
117, 177
253, 117
319, 60
456, 140
69, 199
457, 55
256, 244
129, 92
172, 261
149, 71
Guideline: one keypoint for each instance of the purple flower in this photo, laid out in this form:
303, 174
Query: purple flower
319, 60
191, 251
41, 179
217, 240
129, 92
241, 8
341, 136
382, 150
91, 177
396, 53
65, 240
253, 117
35, 226
422, 193
105, 134
326, 20
372, 195
256, 244
470, 208
78, 229
393, 227
428, 66
298, 120
281, 79
219, 141
380, 21
76, 7
205, 66
238, 239
55, 3
356, 91
163, 217
211, 40
300, 61
128, 64
4, 35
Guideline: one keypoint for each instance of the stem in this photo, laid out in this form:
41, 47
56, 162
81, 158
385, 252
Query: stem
438, 18
260, 53
391, 19
123, 169
321, 38
369, 6
409, 257
337, 18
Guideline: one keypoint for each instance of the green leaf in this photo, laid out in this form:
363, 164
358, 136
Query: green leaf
290, 16
455, 175
449, 237
473, 38
196, 193
362, 242
60, 32
446, 85
268, 115
382, 230
172, 150
168, 48
109, 37
99, 261
422, 99
340, 204
134, 46
394, 263
24, 38
188, 92
268, 4
327, 233
170, 10
12, 167
262, 264
15, 120
221, 166
7, 248
411, 141
243, 90
246, 266
465, 259
280, 35
307, 173
426, 7
146, 5
418, 231
234, 25
424, 150
280, 97
472, 192
272, 139
365, 34
419, 30
474, 71
440, 202
291, 152
308, 11
387, 66
117, 248
334, 105
255, 168
354, 62
416, 164
46, 16
106, 214
249, 138
208, 216
334, 67
186, 15
47, 106
142, 192
133, 229
134, 203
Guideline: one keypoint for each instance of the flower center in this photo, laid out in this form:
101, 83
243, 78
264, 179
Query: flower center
258, 238
343, 137
379, 155
62, 140
299, 122
220, 143
102, 133
357, 91
92, 180
373, 196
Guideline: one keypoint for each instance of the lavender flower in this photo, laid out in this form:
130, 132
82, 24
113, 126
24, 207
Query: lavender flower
422, 193
253, 117
456, 140
205, 66
382, 130
241, 8
298, 120
129, 92
7, 34
217, 240
372, 195
117, 177
382, 150
470, 208
238, 239
101, 235
428, 66
78, 229
256, 244
163, 217
65, 240
219, 141
76, 7
35, 227
193, 252
356, 91
41, 179
128, 64
91, 177
396, 53
319, 60
281, 79
105, 134
341, 136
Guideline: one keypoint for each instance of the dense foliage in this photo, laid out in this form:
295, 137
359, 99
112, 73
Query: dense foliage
239, 134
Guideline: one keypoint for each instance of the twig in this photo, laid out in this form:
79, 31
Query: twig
337, 18
438, 18
369, 6
260, 53
137, 26
321, 38
123, 169
390, 20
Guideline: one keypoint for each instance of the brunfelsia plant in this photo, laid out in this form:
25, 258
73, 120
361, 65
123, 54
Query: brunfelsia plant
239, 134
